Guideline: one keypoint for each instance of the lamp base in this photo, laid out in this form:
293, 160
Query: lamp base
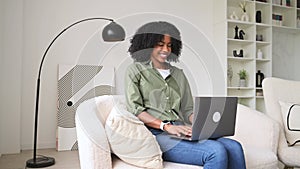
40, 162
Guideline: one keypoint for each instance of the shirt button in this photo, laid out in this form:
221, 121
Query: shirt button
167, 98
166, 84
169, 111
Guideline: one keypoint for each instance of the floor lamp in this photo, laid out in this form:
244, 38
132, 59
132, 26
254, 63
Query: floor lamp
113, 32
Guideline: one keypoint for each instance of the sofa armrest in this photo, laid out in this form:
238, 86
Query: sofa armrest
255, 129
94, 149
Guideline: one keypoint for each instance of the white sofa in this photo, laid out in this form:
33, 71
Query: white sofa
276, 90
256, 132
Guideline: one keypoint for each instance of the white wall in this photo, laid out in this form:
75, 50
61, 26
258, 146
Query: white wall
43, 20
286, 55
11, 40
297, 53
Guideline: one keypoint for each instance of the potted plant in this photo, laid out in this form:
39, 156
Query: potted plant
243, 76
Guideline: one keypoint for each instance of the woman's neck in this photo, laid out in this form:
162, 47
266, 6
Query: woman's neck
161, 65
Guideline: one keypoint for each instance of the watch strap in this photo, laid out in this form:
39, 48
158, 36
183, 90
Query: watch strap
162, 124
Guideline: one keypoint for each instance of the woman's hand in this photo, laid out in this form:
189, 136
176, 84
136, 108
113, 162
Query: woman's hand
171, 129
178, 130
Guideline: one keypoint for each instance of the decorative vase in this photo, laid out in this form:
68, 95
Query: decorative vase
241, 54
259, 78
259, 54
245, 17
233, 16
258, 17
259, 38
242, 83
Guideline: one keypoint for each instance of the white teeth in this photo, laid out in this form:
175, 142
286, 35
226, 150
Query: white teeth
163, 55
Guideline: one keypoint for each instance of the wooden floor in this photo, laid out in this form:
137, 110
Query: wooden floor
63, 159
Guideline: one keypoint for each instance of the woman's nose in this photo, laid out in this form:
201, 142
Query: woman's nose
166, 48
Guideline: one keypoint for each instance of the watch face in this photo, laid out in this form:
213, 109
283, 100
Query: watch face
162, 124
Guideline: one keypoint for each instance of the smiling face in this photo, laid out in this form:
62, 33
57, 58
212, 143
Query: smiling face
160, 53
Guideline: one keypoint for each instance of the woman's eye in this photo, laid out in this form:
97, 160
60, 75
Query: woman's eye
160, 44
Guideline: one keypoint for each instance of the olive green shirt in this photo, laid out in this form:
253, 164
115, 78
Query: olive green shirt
166, 99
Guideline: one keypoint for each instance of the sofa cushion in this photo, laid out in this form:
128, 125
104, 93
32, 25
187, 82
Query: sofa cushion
291, 121
131, 141
258, 158
105, 104
120, 164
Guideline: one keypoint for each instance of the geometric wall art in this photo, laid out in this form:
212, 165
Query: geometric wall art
75, 85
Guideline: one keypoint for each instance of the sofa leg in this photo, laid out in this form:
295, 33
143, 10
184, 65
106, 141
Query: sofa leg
287, 167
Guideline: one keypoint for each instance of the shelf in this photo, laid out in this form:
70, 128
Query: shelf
263, 25
263, 60
263, 43
238, 41
245, 97
239, 58
240, 88
231, 21
286, 29
287, 15
242, 97
283, 7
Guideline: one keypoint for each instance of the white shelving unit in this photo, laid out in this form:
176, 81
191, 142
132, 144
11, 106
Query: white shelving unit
288, 13
250, 45
225, 41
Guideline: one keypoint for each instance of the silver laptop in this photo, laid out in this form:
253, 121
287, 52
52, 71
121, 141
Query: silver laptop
214, 117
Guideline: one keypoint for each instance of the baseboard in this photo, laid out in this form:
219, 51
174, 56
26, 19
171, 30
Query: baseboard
40, 146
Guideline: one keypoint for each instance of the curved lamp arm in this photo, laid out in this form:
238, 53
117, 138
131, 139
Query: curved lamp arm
111, 33
113, 29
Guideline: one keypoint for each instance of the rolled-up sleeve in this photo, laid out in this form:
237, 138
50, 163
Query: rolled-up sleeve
132, 92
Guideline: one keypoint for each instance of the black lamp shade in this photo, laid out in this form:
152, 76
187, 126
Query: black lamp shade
113, 32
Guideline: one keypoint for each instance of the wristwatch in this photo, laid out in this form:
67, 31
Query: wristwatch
162, 124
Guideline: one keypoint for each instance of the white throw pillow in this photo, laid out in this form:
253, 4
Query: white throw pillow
131, 141
291, 120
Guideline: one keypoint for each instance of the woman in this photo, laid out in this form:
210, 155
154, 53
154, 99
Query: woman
159, 95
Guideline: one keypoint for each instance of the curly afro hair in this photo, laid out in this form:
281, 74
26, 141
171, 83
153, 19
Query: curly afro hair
149, 35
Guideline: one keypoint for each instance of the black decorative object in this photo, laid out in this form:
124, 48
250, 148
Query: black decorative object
111, 33
241, 34
236, 36
259, 78
288, 2
241, 54
258, 17
259, 38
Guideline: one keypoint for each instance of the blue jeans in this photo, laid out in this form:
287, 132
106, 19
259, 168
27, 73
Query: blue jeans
222, 153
